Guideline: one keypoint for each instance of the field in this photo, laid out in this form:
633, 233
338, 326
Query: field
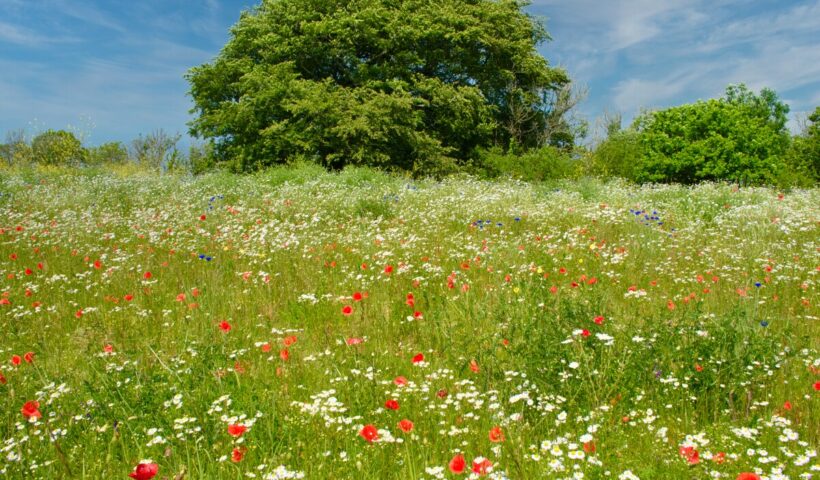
300, 324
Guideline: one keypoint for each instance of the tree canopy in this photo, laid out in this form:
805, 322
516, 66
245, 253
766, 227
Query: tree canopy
410, 84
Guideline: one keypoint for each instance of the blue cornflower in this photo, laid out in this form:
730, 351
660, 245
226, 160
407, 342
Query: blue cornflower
764, 323
757, 284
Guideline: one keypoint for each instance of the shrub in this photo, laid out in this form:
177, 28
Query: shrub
535, 165
107, 153
57, 147
741, 137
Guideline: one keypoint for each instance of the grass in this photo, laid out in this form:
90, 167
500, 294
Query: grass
607, 330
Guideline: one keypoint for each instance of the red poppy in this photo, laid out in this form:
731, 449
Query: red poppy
589, 447
347, 310
284, 354
748, 476
108, 348
417, 315
225, 326
406, 426
670, 305
690, 454
236, 430
599, 320
288, 341
357, 297
16, 360
400, 381
388, 269
474, 366
817, 386
79, 313
28, 271
147, 275
496, 434
202, 217
31, 409
144, 471
698, 367
237, 454
457, 464
585, 333
181, 297
128, 297
265, 347
3, 380
354, 341
369, 433
719, 457
481, 466
418, 358
391, 404
411, 300
29, 357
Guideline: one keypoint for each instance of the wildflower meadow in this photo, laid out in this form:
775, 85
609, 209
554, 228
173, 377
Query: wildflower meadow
296, 324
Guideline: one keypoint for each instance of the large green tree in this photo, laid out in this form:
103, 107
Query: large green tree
409, 84
739, 137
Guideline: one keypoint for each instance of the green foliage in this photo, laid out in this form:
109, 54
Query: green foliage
803, 158
534, 165
201, 158
616, 156
741, 137
414, 85
107, 153
57, 147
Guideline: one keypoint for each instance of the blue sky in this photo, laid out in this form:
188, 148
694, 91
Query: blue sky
113, 69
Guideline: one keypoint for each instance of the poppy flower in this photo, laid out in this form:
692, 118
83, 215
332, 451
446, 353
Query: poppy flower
144, 471
16, 360
410, 300
690, 454
147, 275
3, 380
265, 347
474, 366
406, 426
31, 409
417, 315
457, 464
388, 269
288, 341
357, 296
391, 404
589, 447
202, 217
420, 358
748, 476
29, 357
599, 320
108, 348
237, 454
347, 310
369, 433
400, 381
496, 434
585, 333
817, 386
128, 297
719, 457
354, 341
225, 326
284, 354
79, 313
481, 466
236, 430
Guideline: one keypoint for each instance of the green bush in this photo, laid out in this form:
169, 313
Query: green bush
803, 157
107, 153
616, 156
741, 137
534, 165
58, 147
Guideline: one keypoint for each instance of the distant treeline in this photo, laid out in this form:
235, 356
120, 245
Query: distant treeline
740, 137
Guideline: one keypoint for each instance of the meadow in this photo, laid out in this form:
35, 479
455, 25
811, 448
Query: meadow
295, 323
